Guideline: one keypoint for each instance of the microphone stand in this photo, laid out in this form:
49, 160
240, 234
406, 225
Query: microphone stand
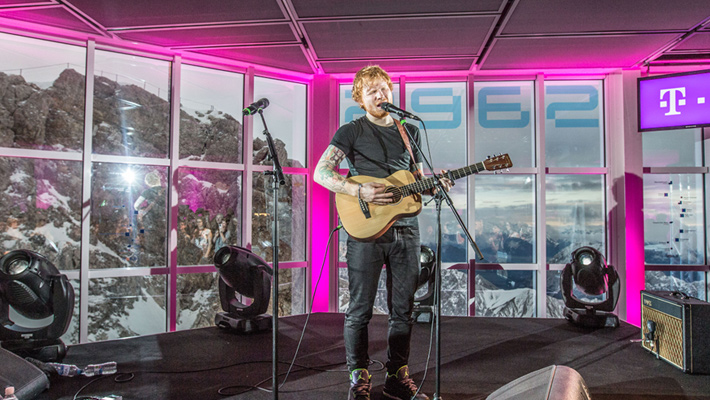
439, 197
277, 179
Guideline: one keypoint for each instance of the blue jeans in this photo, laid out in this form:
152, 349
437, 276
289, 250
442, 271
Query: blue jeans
398, 249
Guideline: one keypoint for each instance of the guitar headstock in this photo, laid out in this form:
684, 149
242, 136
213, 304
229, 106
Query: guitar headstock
495, 163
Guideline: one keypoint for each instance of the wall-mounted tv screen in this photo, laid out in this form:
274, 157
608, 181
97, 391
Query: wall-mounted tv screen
674, 101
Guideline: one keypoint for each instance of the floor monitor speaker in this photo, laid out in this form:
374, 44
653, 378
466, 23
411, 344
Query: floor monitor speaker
556, 382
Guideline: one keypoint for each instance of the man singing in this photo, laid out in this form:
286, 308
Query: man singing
373, 146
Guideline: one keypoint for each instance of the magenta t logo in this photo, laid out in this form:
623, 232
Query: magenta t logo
673, 100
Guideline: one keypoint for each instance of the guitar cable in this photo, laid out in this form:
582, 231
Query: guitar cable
310, 311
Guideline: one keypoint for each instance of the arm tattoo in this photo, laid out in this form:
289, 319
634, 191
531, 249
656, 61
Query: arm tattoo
326, 174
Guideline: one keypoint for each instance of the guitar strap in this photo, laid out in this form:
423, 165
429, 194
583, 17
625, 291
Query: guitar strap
418, 173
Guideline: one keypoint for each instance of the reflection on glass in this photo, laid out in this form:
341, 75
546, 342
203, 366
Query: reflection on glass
691, 283
292, 218
128, 216
505, 218
42, 94
504, 293
125, 307
574, 124
292, 290
673, 218
442, 106
575, 215
504, 120
209, 214
286, 119
131, 106
210, 108
198, 300
41, 208
674, 148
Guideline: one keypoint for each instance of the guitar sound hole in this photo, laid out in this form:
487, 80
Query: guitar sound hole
397, 193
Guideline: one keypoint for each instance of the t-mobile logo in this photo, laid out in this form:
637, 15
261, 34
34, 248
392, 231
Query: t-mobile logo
674, 100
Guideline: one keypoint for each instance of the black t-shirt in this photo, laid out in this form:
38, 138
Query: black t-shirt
377, 151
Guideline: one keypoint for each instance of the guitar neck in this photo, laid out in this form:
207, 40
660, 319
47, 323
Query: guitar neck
429, 183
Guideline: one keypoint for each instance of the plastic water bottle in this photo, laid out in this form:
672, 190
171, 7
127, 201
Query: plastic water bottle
10, 393
65, 369
107, 368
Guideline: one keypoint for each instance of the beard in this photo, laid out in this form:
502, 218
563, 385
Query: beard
376, 111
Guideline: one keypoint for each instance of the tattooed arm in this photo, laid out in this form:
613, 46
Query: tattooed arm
327, 176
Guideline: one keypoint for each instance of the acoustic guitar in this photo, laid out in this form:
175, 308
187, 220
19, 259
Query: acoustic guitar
366, 222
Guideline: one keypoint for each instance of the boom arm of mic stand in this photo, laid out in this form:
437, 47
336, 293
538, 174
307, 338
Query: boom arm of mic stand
443, 193
278, 171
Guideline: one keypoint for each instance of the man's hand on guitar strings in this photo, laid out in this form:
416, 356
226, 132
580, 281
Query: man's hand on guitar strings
374, 192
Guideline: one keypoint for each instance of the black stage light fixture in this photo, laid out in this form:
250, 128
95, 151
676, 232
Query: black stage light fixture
589, 272
423, 303
34, 288
247, 274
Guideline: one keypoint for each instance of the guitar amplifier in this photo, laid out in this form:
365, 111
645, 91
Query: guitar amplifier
676, 328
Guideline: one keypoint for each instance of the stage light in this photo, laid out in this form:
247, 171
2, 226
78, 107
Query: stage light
34, 288
243, 272
589, 272
423, 303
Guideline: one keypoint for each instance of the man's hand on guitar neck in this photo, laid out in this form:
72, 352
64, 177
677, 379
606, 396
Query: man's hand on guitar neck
445, 182
374, 192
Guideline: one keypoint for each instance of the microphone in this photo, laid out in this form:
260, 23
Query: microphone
389, 107
256, 106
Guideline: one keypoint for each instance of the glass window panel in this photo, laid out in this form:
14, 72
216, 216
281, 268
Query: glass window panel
574, 124
292, 218
210, 202
197, 300
505, 218
691, 283
71, 336
673, 148
504, 293
454, 292
575, 215
42, 87
286, 119
504, 121
125, 307
454, 246
555, 301
673, 219
42, 208
128, 216
211, 104
292, 290
443, 107
131, 106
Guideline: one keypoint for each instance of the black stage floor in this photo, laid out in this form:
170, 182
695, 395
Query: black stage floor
479, 355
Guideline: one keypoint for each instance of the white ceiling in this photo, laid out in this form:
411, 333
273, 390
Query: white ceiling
339, 36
